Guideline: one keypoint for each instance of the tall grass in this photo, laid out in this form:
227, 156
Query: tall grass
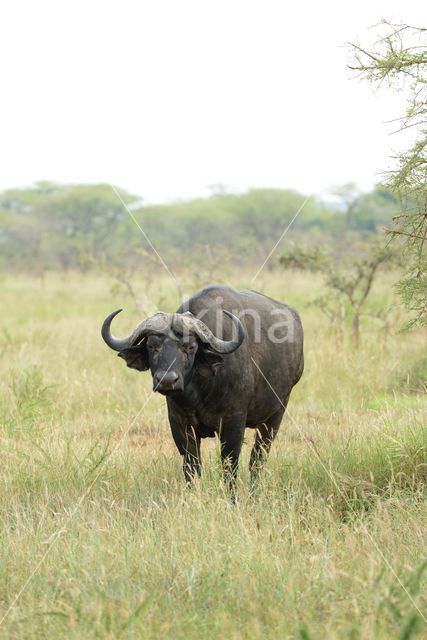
331, 544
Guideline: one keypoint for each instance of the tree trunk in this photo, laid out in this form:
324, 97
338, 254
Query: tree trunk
356, 329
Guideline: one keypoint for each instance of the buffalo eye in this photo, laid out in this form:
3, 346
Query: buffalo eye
189, 348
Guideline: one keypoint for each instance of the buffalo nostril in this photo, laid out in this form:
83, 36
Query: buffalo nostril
166, 379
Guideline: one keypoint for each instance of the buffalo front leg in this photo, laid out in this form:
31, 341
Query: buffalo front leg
192, 462
186, 440
265, 434
231, 439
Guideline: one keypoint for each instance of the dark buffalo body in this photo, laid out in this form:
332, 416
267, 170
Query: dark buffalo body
220, 387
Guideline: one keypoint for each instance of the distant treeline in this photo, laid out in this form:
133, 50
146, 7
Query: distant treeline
53, 226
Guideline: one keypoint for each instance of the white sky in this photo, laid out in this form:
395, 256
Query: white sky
166, 97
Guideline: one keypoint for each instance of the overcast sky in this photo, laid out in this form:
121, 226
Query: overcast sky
167, 97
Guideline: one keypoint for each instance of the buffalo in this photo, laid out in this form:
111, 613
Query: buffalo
226, 360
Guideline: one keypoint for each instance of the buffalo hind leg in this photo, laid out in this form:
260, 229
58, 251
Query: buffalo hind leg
265, 434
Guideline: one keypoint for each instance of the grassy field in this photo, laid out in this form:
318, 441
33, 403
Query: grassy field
101, 539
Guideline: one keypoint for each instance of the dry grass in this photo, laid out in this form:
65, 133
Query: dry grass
331, 546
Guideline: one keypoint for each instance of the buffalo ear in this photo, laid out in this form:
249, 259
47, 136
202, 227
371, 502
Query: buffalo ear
208, 362
136, 357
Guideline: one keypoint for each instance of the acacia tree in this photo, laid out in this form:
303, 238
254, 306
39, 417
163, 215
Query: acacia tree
349, 194
347, 279
399, 58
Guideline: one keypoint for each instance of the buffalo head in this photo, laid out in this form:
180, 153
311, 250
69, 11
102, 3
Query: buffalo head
173, 346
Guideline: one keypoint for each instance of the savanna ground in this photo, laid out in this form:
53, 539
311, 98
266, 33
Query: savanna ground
95, 512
